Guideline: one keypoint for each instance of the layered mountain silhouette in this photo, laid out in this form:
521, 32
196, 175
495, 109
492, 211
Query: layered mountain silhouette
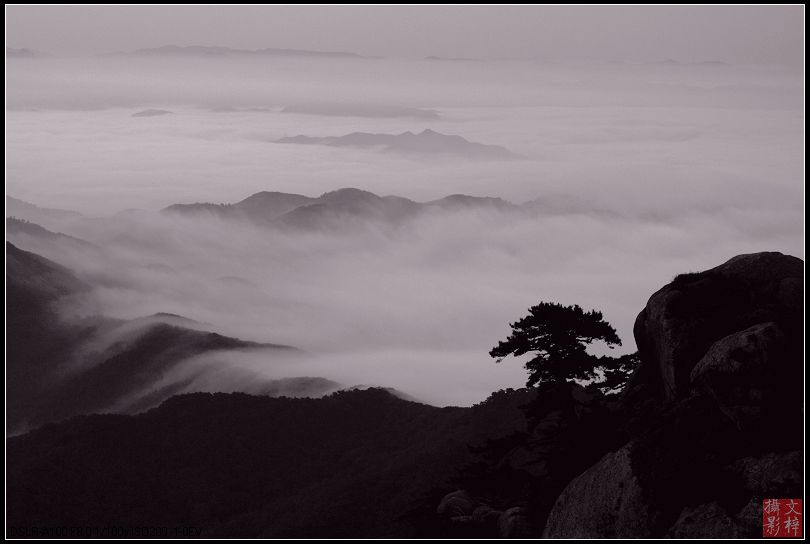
348, 465
340, 209
204, 51
348, 207
20, 228
50, 218
707, 427
60, 365
63, 360
427, 142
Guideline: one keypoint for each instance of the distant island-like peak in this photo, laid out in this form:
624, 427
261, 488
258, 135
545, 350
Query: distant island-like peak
151, 113
426, 142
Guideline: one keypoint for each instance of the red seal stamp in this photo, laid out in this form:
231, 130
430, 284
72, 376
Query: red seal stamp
782, 518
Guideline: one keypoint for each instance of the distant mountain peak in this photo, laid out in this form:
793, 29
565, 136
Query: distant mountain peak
458, 201
23, 53
348, 193
151, 113
347, 207
426, 142
265, 197
209, 51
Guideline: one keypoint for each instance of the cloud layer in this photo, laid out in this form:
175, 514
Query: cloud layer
646, 171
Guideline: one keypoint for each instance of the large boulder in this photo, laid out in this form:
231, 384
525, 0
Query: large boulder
569, 429
468, 516
606, 501
455, 504
746, 356
514, 523
685, 318
744, 369
770, 475
709, 520
755, 377
749, 519
773, 278
486, 516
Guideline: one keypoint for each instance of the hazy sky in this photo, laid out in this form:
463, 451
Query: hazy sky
746, 34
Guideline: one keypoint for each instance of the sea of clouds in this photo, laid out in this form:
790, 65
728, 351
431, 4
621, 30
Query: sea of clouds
674, 168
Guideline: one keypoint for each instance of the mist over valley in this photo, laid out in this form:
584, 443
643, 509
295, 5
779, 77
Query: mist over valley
403, 271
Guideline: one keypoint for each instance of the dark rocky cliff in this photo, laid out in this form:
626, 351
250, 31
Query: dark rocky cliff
709, 425
713, 413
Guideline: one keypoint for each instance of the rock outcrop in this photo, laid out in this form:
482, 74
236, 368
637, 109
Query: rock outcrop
514, 523
713, 416
706, 521
683, 319
467, 515
606, 501
455, 504
769, 475
741, 370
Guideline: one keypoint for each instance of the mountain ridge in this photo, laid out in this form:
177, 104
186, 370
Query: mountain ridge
62, 366
351, 207
427, 142
346, 464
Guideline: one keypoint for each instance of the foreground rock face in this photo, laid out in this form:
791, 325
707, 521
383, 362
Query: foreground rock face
683, 319
519, 476
469, 516
455, 504
713, 415
706, 521
606, 501
769, 475
740, 371
514, 523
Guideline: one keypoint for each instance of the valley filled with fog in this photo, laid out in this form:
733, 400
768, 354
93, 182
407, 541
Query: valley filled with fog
611, 178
